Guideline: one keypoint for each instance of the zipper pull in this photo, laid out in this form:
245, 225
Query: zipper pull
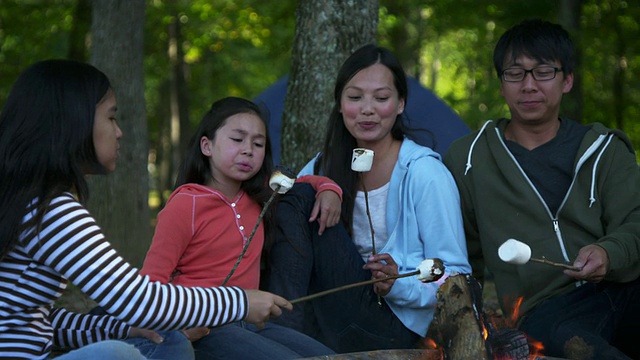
556, 228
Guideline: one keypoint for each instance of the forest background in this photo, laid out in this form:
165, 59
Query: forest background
195, 52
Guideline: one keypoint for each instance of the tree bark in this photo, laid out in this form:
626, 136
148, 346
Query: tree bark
569, 17
120, 201
180, 131
327, 32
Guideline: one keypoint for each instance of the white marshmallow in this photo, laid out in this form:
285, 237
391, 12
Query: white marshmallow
515, 252
430, 270
285, 182
361, 160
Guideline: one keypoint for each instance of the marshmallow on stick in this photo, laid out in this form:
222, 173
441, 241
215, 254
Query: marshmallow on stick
429, 270
282, 180
516, 252
361, 160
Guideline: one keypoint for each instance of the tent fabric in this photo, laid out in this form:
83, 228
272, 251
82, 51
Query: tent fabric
433, 122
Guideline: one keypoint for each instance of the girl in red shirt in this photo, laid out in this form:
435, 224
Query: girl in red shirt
208, 220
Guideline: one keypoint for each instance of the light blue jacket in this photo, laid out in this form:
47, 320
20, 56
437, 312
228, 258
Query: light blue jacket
423, 222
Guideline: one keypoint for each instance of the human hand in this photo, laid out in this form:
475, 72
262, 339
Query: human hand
593, 261
326, 210
381, 266
196, 333
263, 306
145, 333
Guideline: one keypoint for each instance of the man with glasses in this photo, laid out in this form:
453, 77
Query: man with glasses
571, 192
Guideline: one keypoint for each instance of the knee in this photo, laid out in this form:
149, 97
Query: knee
298, 200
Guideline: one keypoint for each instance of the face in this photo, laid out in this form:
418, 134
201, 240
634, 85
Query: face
237, 150
532, 101
370, 104
106, 132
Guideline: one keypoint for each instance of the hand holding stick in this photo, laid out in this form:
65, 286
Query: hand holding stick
516, 252
429, 270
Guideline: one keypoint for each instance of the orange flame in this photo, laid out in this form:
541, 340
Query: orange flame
535, 347
429, 343
516, 310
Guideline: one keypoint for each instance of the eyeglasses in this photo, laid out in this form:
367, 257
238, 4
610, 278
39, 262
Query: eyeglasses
541, 73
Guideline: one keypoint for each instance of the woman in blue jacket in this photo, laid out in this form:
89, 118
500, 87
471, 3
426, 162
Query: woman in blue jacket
415, 214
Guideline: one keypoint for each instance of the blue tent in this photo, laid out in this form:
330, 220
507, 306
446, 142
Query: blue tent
424, 111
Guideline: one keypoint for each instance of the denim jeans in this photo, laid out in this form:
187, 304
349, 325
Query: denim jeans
244, 341
175, 346
604, 316
104, 350
301, 262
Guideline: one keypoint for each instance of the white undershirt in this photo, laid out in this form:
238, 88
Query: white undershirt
361, 228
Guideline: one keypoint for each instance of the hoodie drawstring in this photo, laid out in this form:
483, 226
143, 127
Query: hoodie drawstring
468, 166
592, 194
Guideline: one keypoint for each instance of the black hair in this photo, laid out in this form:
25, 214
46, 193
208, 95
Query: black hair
195, 167
335, 161
540, 40
46, 140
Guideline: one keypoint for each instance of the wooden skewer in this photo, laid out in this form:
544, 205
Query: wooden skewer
349, 286
553, 263
253, 232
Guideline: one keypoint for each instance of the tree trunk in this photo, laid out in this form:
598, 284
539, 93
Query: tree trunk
120, 201
79, 31
327, 32
569, 18
180, 131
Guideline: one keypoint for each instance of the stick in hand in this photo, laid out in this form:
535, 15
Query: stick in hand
516, 252
429, 270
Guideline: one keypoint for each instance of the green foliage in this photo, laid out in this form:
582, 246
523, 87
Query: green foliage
240, 47
30, 31
231, 48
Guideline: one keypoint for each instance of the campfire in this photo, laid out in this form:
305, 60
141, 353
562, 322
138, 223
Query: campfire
463, 330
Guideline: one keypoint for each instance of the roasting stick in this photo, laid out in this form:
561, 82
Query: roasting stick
349, 286
280, 183
553, 263
361, 161
429, 270
516, 252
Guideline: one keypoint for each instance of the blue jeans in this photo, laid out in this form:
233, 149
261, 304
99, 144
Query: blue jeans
301, 263
104, 350
604, 316
174, 347
244, 341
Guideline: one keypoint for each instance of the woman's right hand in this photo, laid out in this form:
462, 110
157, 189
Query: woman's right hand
264, 306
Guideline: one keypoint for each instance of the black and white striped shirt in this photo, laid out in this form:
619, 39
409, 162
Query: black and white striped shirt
71, 246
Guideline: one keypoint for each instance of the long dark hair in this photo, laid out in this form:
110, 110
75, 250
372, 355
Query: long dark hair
46, 140
335, 161
195, 167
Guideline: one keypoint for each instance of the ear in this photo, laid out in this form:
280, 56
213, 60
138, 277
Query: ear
401, 106
567, 83
205, 146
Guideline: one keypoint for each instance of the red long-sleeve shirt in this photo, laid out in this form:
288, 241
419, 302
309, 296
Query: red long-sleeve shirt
200, 234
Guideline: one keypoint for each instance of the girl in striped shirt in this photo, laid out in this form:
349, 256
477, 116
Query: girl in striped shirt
59, 124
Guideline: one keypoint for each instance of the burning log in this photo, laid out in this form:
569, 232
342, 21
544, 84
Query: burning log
462, 330
456, 321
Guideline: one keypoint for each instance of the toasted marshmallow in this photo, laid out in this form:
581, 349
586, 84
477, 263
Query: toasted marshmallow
430, 270
281, 182
361, 160
515, 252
